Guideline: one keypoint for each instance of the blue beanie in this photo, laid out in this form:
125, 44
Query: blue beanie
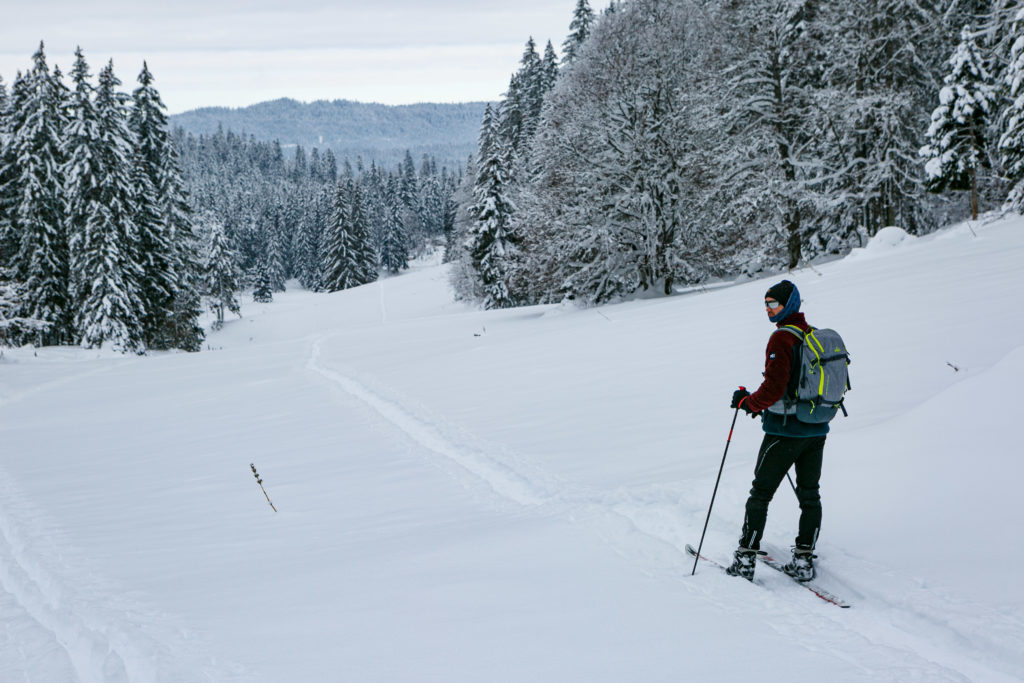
788, 295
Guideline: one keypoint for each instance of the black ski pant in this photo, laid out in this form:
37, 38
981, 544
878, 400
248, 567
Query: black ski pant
777, 455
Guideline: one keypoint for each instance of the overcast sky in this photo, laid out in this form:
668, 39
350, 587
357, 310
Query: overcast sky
238, 52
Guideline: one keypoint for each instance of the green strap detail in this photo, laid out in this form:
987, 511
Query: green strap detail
817, 359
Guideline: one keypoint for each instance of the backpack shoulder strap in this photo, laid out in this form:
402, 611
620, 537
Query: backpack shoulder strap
797, 353
792, 329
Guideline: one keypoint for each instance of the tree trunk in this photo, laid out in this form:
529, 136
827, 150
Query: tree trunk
974, 194
793, 228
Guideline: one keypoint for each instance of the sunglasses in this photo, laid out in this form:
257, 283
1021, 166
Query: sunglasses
772, 304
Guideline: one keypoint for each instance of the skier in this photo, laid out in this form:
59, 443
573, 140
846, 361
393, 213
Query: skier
788, 441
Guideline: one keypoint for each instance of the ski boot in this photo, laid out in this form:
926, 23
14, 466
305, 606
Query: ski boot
743, 563
801, 567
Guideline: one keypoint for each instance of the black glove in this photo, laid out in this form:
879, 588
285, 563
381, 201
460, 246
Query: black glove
738, 396
739, 400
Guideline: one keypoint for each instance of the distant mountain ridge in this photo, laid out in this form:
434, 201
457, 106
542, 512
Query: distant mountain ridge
377, 132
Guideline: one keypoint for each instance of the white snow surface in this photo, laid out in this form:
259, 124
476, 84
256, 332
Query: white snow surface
466, 495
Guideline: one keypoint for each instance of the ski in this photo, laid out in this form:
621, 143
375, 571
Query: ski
777, 566
692, 552
809, 585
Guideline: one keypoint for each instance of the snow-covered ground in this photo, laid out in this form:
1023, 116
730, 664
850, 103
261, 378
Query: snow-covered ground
505, 496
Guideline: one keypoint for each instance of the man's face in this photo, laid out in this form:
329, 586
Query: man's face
773, 307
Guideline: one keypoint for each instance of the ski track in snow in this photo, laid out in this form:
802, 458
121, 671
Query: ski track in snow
505, 481
87, 652
651, 528
60, 627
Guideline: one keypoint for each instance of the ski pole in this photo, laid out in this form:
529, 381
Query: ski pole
715, 492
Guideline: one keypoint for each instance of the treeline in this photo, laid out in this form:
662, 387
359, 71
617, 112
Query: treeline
96, 241
682, 140
376, 132
304, 216
113, 228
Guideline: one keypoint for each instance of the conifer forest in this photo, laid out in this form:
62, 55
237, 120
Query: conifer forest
680, 141
667, 143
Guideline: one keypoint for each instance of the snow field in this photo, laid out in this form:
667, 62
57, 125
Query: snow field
505, 495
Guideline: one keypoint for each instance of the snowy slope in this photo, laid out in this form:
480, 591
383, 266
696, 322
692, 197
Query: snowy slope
505, 496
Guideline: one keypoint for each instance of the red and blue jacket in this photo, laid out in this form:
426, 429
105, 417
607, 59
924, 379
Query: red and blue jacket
779, 357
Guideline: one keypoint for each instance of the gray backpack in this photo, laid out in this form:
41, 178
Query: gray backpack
819, 379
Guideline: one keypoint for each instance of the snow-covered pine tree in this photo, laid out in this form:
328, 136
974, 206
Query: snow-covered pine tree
4, 103
10, 303
8, 172
408, 196
427, 168
549, 68
535, 87
222, 272
453, 193
295, 207
1011, 142
155, 254
408, 187
112, 308
374, 212
247, 230
316, 167
300, 167
81, 175
169, 245
374, 192
431, 204
13, 327
274, 262
309, 262
32, 164
993, 20
957, 138
462, 275
487, 134
185, 330
330, 167
156, 233
394, 253
364, 253
341, 265
579, 30
263, 289
517, 114
492, 240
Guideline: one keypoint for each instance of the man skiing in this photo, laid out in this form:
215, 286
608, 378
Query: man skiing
788, 442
